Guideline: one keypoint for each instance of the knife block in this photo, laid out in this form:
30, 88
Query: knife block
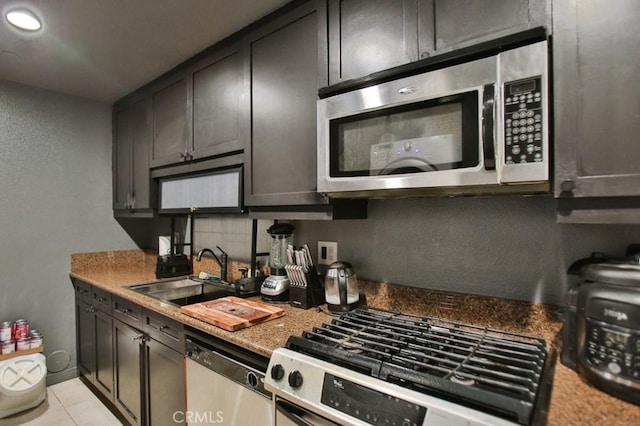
307, 295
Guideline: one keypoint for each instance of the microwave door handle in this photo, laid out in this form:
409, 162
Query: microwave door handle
488, 108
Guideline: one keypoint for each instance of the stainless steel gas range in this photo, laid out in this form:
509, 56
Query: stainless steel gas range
374, 366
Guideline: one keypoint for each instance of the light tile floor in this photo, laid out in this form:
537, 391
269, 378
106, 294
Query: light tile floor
68, 403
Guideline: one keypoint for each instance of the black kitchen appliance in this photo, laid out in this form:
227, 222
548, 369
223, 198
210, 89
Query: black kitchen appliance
375, 366
176, 264
173, 265
601, 333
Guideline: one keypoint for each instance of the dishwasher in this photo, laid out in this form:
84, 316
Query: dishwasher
225, 383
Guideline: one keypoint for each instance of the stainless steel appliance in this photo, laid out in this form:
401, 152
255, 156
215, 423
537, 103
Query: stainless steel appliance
224, 384
373, 366
341, 287
275, 287
601, 334
475, 121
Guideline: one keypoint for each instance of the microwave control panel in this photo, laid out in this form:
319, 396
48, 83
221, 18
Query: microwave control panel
523, 121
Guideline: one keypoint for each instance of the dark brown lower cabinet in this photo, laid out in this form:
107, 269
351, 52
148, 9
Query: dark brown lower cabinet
150, 382
166, 395
95, 347
132, 356
127, 349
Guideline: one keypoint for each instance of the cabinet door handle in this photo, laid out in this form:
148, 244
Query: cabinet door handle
125, 312
164, 330
138, 337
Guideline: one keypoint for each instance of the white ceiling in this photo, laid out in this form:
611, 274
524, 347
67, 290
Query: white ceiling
104, 49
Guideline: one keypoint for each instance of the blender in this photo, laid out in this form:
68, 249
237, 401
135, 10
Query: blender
275, 287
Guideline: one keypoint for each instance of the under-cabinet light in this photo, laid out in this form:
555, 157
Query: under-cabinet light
23, 19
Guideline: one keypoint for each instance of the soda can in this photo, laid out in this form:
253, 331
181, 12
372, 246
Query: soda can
8, 347
20, 329
6, 330
23, 344
35, 342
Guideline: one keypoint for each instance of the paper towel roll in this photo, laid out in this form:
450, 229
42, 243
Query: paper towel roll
164, 245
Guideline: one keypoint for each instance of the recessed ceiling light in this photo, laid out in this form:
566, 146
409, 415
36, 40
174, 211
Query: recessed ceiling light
23, 19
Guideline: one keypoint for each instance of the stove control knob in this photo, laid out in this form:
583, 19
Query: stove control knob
277, 372
295, 379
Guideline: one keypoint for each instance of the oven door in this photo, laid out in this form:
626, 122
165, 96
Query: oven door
288, 414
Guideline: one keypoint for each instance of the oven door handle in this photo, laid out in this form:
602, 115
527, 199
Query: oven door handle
289, 411
488, 108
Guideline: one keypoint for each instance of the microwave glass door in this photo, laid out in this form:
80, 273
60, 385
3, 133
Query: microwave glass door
424, 136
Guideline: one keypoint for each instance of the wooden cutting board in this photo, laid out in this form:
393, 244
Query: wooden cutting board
232, 313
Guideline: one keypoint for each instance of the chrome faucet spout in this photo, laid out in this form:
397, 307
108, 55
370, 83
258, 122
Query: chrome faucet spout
222, 263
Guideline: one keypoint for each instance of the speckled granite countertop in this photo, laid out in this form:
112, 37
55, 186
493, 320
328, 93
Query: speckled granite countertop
573, 401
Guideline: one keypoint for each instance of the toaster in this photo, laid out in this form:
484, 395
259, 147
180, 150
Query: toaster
601, 330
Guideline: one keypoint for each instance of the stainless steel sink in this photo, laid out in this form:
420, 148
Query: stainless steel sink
185, 291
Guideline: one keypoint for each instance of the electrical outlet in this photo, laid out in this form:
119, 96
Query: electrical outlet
327, 252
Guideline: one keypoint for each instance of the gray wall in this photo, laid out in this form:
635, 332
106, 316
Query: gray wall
503, 246
55, 169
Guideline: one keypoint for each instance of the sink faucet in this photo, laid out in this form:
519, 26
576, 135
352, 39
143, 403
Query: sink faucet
222, 261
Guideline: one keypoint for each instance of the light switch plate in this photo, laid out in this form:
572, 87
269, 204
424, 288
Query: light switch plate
327, 252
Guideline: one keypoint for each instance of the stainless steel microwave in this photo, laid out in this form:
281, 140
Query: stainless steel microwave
476, 126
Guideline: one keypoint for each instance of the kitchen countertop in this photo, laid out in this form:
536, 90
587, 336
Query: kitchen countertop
573, 401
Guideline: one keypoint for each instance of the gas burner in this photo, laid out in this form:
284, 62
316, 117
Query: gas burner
353, 348
497, 371
462, 380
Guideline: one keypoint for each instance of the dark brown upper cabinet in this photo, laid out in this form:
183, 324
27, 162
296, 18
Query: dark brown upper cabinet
597, 112
171, 123
218, 99
133, 191
366, 37
196, 111
285, 64
461, 23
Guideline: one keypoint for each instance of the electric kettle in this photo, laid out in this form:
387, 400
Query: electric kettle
341, 287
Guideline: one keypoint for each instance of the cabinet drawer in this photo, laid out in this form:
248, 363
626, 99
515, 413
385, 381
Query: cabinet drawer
101, 299
83, 290
128, 312
164, 330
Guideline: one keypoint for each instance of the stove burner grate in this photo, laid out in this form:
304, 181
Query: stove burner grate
493, 369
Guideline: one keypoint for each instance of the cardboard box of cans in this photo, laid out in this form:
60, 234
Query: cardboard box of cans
17, 339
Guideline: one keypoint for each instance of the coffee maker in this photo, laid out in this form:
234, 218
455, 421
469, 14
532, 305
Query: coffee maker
275, 287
